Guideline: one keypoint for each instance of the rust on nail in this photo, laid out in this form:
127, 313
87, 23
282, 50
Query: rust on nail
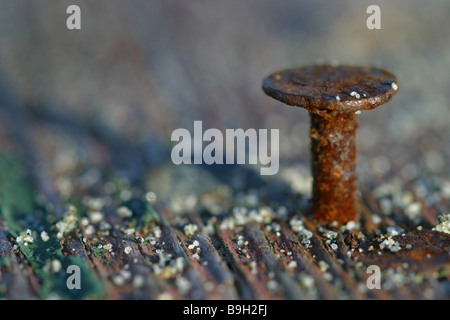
333, 96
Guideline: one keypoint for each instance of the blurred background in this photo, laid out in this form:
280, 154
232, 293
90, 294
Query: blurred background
86, 118
112, 93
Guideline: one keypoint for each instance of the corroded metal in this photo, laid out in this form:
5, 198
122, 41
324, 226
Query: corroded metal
333, 96
341, 89
334, 158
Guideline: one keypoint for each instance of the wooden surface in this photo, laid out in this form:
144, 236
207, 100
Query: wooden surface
223, 246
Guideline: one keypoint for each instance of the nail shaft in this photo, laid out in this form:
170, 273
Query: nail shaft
333, 95
334, 160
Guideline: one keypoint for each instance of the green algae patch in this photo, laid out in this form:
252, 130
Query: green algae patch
16, 194
144, 214
4, 263
50, 265
39, 243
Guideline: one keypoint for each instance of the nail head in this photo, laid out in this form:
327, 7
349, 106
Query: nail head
334, 88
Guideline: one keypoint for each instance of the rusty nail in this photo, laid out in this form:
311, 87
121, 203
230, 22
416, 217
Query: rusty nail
334, 96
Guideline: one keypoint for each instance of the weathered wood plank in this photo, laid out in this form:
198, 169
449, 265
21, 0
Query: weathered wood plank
15, 283
140, 257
